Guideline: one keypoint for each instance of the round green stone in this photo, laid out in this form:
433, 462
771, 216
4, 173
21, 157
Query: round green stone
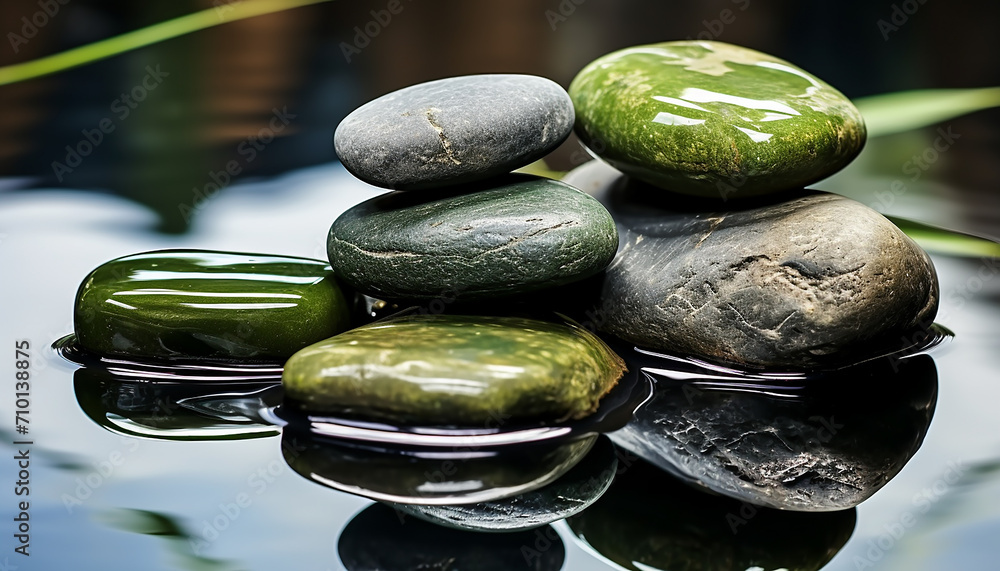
713, 119
455, 370
196, 304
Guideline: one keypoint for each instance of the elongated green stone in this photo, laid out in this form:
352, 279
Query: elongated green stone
208, 305
714, 119
455, 370
514, 235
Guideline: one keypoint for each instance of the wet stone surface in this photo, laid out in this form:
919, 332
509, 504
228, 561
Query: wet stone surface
516, 235
454, 130
454, 370
572, 493
804, 279
714, 119
199, 304
828, 445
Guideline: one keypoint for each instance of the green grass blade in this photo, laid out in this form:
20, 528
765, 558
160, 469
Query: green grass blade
942, 241
145, 36
907, 110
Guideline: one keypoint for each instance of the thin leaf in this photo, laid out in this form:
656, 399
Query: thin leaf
942, 241
906, 110
144, 37
143, 521
540, 168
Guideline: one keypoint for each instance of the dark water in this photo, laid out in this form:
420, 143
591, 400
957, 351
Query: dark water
111, 487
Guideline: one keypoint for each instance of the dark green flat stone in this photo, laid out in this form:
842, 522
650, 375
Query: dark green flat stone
522, 234
455, 370
449, 476
196, 304
713, 119
572, 493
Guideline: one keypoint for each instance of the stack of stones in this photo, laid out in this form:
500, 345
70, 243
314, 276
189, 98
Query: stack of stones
460, 227
723, 255
711, 248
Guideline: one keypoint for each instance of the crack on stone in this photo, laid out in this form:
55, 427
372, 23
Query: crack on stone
391, 254
449, 155
693, 310
518, 239
785, 320
715, 224
382, 255
740, 315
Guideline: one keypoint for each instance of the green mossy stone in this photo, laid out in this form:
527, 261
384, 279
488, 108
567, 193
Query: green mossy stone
455, 370
517, 235
194, 304
713, 119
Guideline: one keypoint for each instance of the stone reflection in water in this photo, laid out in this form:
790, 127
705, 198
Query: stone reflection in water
570, 494
172, 410
648, 520
380, 539
827, 444
430, 476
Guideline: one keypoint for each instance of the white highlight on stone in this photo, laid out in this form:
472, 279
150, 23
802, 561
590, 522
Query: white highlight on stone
755, 136
671, 119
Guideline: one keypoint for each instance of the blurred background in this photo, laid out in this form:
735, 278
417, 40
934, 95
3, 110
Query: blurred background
167, 124
222, 139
